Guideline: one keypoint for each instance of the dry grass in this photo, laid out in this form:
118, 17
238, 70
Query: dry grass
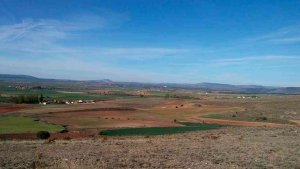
231, 147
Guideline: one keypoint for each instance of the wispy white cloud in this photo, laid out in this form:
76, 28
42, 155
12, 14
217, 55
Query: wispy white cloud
33, 45
43, 37
286, 35
242, 60
255, 59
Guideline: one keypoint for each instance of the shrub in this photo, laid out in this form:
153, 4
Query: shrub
43, 135
64, 131
67, 138
102, 133
262, 118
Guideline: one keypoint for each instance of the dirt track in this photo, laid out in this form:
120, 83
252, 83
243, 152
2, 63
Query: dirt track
296, 121
238, 123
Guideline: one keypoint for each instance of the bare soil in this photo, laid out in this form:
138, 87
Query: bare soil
56, 136
12, 108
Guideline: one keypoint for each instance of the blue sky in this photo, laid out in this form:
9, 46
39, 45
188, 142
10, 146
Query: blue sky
223, 41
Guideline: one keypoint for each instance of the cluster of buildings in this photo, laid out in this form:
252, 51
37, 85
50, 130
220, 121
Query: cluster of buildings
19, 87
247, 97
67, 102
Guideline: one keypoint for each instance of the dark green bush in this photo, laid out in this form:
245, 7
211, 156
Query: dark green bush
102, 133
262, 118
64, 131
43, 134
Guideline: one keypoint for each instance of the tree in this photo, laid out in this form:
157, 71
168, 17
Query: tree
43, 134
41, 98
26, 99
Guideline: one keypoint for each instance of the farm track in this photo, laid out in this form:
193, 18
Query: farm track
238, 123
296, 121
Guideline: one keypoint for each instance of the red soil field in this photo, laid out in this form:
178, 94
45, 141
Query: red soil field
7, 109
58, 136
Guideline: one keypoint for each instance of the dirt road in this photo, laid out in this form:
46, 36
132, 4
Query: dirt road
238, 123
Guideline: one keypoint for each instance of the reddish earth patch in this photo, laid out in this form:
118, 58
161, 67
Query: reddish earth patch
102, 119
59, 136
7, 109
139, 123
88, 113
238, 123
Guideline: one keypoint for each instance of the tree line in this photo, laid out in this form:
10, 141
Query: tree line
30, 99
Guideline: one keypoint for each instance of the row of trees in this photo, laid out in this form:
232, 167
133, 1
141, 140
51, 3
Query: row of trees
30, 99
176, 96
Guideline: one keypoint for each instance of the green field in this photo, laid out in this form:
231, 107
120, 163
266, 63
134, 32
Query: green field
53, 94
19, 124
160, 130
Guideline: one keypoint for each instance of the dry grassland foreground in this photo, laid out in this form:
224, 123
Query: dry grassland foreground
228, 147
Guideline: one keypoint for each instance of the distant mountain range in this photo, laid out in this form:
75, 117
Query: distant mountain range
224, 88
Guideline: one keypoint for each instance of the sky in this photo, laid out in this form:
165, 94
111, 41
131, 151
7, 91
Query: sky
157, 41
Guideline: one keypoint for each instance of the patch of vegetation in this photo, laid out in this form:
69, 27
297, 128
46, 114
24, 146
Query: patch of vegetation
15, 95
88, 123
43, 135
27, 99
19, 124
242, 117
5, 99
261, 118
159, 130
223, 116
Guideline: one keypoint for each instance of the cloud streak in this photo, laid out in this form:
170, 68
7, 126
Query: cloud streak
32, 45
256, 59
43, 37
286, 35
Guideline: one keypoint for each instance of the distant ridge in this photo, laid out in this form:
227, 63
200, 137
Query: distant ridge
224, 88
17, 77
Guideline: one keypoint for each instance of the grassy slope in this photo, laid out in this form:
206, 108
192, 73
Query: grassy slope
18, 124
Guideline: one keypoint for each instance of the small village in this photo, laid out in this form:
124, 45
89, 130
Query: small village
46, 102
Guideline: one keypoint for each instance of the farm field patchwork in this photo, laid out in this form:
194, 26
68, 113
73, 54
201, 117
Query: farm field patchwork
151, 112
188, 125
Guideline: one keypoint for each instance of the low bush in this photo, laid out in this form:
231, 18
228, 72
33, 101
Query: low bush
43, 135
64, 131
262, 118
